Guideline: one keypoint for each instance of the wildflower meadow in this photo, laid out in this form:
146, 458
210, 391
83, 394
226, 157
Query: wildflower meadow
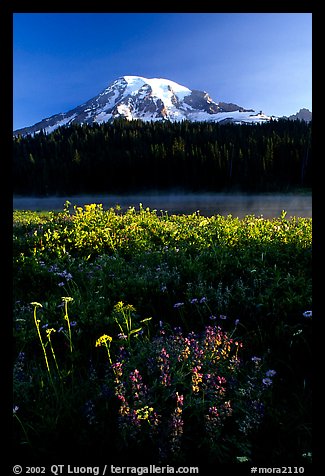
145, 337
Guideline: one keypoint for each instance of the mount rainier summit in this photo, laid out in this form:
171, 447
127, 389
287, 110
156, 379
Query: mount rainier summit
154, 99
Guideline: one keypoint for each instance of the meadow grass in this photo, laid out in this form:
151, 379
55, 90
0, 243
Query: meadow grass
206, 329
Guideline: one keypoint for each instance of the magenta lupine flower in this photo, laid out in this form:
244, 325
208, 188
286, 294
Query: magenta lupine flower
226, 409
164, 367
179, 399
212, 422
221, 380
177, 424
138, 388
213, 412
117, 367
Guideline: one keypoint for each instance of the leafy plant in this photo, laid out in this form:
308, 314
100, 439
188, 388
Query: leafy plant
249, 278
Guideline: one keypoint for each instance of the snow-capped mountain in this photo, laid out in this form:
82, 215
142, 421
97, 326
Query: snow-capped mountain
154, 99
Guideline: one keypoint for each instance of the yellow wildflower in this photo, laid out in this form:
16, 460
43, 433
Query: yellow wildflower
49, 332
103, 340
143, 413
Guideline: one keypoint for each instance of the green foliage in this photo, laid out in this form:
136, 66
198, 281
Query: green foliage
133, 155
151, 280
174, 386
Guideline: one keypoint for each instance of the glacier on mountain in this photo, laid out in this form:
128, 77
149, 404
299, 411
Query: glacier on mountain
148, 99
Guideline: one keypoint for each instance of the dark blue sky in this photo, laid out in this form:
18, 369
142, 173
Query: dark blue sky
257, 60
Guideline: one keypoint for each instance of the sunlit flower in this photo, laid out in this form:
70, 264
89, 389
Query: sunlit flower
103, 340
196, 378
66, 298
49, 332
144, 413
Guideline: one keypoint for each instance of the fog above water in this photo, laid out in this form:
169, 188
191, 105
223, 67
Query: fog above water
238, 205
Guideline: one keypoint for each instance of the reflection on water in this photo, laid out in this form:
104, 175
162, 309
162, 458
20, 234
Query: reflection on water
238, 205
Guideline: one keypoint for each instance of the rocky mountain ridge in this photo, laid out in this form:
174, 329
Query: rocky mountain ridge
147, 99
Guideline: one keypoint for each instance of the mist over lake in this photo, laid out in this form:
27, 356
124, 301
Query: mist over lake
239, 205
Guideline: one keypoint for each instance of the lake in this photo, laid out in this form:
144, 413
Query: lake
238, 205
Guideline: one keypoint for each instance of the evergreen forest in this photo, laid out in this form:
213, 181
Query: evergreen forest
136, 156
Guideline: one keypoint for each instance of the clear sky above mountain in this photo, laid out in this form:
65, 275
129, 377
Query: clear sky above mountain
257, 60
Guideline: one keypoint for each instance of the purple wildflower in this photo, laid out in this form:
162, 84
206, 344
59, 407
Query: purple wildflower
177, 424
164, 367
308, 314
65, 275
270, 373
